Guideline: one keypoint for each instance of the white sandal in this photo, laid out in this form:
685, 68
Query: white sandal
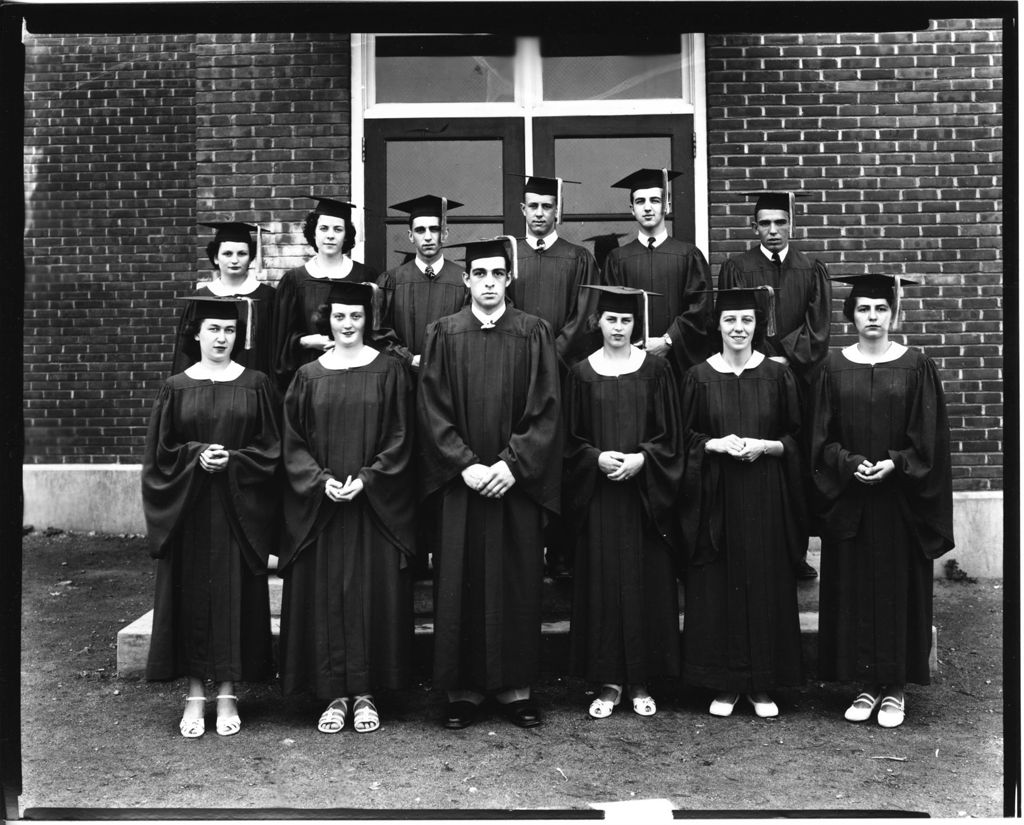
862, 707
644, 705
228, 725
892, 712
365, 718
602, 708
332, 720
193, 728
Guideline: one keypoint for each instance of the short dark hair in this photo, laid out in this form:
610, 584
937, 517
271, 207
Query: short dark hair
322, 320
189, 346
850, 304
213, 247
309, 231
759, 328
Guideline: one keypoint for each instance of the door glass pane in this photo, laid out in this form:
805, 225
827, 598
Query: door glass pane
598, 163
468, 171
619, 68
464, 69
400, 248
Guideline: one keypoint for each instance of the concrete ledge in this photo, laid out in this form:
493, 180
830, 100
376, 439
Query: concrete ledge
107, 498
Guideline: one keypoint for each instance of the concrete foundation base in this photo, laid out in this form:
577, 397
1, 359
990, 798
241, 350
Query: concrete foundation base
107, 498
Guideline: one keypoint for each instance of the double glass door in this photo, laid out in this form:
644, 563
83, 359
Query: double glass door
480, 162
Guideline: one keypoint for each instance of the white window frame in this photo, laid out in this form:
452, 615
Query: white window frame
529, 104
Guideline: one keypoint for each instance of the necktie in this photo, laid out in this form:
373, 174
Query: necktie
540, 245
777, 260
429, 272
650, 243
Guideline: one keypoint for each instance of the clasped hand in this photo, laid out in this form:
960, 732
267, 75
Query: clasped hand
742, 449
214, 459
336, 491
620, 466
868, 473
490, 482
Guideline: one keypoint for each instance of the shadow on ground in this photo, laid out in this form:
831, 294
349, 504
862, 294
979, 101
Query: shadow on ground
91, 739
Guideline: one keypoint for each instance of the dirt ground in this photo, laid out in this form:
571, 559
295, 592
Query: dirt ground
91, 739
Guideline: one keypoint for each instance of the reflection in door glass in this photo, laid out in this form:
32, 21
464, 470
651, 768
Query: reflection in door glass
619, 68
599, 162
468, 171
463, 69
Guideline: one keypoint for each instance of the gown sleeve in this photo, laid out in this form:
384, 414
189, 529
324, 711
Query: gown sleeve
700, 476
689, 330
567, 339
443, 454
806, 346
387, 480
923, 467
579, 465
534, 449
171, 476
252, 474
289, 326
662, 472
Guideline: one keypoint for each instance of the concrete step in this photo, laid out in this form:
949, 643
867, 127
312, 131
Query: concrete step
556, 604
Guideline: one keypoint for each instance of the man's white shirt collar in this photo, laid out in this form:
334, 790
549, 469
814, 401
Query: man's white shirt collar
548, 239
422, 267
659, 238
488, 320
768, 253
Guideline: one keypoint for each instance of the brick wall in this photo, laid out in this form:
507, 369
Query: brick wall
110, 171
897, 139
130, 141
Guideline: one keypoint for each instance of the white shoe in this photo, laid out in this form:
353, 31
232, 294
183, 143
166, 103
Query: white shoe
892, 712
722, 706
862, 708
602, 708
766, 710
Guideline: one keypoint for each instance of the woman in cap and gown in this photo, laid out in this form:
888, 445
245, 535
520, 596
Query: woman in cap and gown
302, 291
346, 620
212, 451
232, 252
621, 475
880, 447
744, 523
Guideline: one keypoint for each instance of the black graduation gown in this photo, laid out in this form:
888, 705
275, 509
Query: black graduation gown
548, 286
879, 540
487, 395
625, 614
346, 615
677, 271
412, 301
803, 305
212, 532
299, 296
259, 356
744, 530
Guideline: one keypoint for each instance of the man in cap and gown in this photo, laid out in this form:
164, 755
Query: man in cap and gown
490, 441
657, 263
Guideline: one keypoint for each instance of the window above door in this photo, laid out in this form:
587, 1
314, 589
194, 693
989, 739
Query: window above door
409, 75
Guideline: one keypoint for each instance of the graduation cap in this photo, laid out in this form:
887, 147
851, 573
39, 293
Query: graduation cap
649, 179
357, 293
745, 298
332, 207
603, 244
546, 186
428, 206
224, 308
775, 199
622, 299
503, 246
886, 287
237, 232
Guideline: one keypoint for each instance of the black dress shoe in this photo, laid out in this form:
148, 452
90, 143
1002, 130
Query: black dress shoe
459, 715
522, 712
805, 571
